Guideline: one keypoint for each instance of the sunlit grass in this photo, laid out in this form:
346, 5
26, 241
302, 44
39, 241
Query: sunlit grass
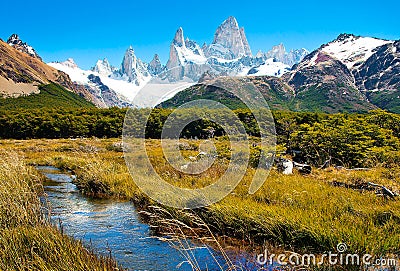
299, 212
27, 239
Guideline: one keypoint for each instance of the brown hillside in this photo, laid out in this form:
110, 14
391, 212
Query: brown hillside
21, 74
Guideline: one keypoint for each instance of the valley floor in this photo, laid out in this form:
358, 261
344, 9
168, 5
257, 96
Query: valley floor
294, 211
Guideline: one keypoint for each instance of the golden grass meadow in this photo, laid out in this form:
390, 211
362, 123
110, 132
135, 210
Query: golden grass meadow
292, 212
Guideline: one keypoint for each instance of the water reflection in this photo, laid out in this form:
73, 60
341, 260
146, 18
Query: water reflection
112, 226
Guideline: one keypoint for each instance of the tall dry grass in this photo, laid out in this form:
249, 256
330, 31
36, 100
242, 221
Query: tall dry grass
27, 239
187, 232
300, 213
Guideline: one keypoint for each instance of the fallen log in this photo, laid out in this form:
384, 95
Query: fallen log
384, 190
326, 164
351, 169
367, 186
358, 169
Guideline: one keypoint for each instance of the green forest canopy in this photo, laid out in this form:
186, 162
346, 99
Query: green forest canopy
350, 139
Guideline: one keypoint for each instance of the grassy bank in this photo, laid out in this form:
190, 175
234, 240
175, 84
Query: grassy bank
27, 239
297, 212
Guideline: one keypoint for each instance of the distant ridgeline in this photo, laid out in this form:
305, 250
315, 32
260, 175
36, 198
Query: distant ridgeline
350, 139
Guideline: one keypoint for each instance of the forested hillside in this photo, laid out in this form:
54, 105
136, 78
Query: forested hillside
50, 96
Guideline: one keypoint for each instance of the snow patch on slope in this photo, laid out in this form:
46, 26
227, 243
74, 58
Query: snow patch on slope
126, 89
69, 67
155, 92
353, 50
151, 91
188, 56
270, 68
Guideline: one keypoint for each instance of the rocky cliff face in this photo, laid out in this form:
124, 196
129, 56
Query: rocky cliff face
381, 71
175, 62
295, 56
246, 46
351, 72
105, 97
21, 46
279, 54
379, 77
229, 41
104, 67
228, 54
186, 59
21, 73
155, 67
324, 83
132, 68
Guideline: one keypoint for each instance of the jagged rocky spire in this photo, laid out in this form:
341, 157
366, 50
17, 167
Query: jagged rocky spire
132, 67
103, 67
178, 39
230, 41
155, 67
174, 65
247, 50
21, 46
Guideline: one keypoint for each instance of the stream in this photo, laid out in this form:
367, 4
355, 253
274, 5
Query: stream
110, 226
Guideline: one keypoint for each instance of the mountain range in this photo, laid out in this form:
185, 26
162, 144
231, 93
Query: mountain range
351, 73
22, 72
228, 54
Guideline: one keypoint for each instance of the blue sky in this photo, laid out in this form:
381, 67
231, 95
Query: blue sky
89, 30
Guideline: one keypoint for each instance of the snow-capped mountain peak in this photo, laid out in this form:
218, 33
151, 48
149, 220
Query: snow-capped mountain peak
112, 89
178, 39
228, 54
21, 46
259, 54
14, 39
230, 41
353, 50
133, 68
75, 73
184, 54
70, 62
187, 51
229, 23
278, 52
155, 67
103, 67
